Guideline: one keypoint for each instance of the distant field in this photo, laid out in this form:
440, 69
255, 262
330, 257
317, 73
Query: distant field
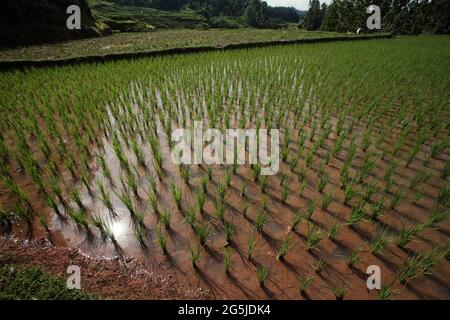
153, 41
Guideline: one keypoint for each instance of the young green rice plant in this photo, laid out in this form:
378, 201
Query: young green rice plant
138, 152
185, 173
341, 291
354, 257
200, 199
314, 237
349, 194
387, 292
227, 259
161, 238
261, 273
264, 183
194, 251
285, 246
344, 176
204, 183
251, 245
203, 232
310, 210
76, 197
419, 178
220, 206
358, 212
256, 172
176, 194
283, 178
302, 188
377, 209
265, 203
446, 172
443, 198
334, 229
388, 176
261, 219
191, 216
243, 188
304, 283
209, 173
326, 200
44, 223
323, 181
379, 241
245, 207
228, 231
295, 221
437, 215
396, 198
417, 195
100, 224
406, 235
9, 184
410, 269
366, 168
165, 218
320, 265
222, 192
369, 191
285, 193
227, 178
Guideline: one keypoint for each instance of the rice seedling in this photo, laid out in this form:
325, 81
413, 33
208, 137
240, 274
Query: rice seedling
310, 210
200, 199
326, 200
314, 237
377, 209
304, 283
354, 257
341, 291
323, 181
203, 232
228, 230
261, 220
285, 193
138, 152
320, 265
334, 229
194, 251
406, 234
443, 198
358, 212
245, 207
437, 215
387, 292
204, 183
185, 173
302, 188
285, 246
176, 194
264, 183
419, 178
396, 198
349, 194
295, 221
379, 241
165, 217
261, 274
227, 259
44, 223
243, 188
251, 245
161, 238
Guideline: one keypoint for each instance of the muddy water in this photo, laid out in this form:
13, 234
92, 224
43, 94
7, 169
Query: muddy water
241, 282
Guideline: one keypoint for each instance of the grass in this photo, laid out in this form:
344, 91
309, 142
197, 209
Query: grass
24, 283
305, 283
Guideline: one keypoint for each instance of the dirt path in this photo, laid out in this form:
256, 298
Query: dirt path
108, 278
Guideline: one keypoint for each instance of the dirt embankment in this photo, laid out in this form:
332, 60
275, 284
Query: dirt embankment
108, 278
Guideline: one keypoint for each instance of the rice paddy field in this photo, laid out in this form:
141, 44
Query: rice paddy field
85, 161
